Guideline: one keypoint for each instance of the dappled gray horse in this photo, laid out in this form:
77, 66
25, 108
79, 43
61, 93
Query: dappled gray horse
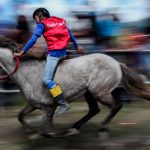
93, 76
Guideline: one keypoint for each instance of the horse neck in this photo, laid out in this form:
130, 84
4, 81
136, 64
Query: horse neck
6, 60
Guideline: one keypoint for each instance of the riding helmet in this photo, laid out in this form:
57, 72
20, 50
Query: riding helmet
41, 12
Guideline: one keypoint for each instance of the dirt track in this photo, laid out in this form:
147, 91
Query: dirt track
130, 129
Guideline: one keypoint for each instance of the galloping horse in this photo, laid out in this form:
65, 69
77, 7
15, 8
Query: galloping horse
93, 76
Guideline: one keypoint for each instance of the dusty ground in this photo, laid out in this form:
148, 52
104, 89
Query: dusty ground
129, 130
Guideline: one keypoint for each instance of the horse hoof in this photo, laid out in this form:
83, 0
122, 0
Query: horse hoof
34, 136
72, 131
103, 135
48, 135
66, 133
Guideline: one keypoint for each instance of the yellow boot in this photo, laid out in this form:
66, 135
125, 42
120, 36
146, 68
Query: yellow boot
58, 96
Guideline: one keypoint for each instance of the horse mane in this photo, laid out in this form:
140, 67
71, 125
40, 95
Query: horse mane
8, 43
14, 47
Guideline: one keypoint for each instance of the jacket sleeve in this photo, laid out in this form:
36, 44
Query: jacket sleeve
73, 39
39, 29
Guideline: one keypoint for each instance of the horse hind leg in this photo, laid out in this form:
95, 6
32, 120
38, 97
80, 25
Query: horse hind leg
93, 110
115, 105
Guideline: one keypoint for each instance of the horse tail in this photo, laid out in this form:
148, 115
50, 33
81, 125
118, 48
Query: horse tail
134, 83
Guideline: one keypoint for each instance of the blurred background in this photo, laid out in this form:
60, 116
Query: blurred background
119, 28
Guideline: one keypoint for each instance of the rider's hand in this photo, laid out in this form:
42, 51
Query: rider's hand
80, 50
18, 54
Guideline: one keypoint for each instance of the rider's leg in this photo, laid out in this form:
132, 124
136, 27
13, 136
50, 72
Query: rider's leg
58, 96
54, 89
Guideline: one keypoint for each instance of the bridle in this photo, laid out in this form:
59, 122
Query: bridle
5, 77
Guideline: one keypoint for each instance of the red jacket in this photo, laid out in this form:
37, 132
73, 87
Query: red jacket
56, 33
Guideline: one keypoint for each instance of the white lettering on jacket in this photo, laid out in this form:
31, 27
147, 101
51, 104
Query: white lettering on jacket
54, 24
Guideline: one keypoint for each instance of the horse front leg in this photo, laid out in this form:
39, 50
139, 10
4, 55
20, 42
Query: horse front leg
21, 117
114, 105
47, 121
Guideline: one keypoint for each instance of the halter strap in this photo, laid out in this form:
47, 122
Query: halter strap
5, 77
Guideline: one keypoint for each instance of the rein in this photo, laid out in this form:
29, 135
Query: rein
5, 77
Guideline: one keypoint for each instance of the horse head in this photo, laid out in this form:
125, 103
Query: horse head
7, 43
7, 48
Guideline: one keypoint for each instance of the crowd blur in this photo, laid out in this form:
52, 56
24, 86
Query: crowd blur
105, 26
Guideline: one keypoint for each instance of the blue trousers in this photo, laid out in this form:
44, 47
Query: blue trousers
50, 66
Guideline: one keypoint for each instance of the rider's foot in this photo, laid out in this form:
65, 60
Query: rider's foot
62, 109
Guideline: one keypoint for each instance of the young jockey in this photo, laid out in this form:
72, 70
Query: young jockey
57, 37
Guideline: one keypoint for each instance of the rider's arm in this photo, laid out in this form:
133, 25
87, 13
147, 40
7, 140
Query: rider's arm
39, 29
79, 49
72, 37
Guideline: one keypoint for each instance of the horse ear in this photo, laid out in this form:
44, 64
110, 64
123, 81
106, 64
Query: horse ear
14, 47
